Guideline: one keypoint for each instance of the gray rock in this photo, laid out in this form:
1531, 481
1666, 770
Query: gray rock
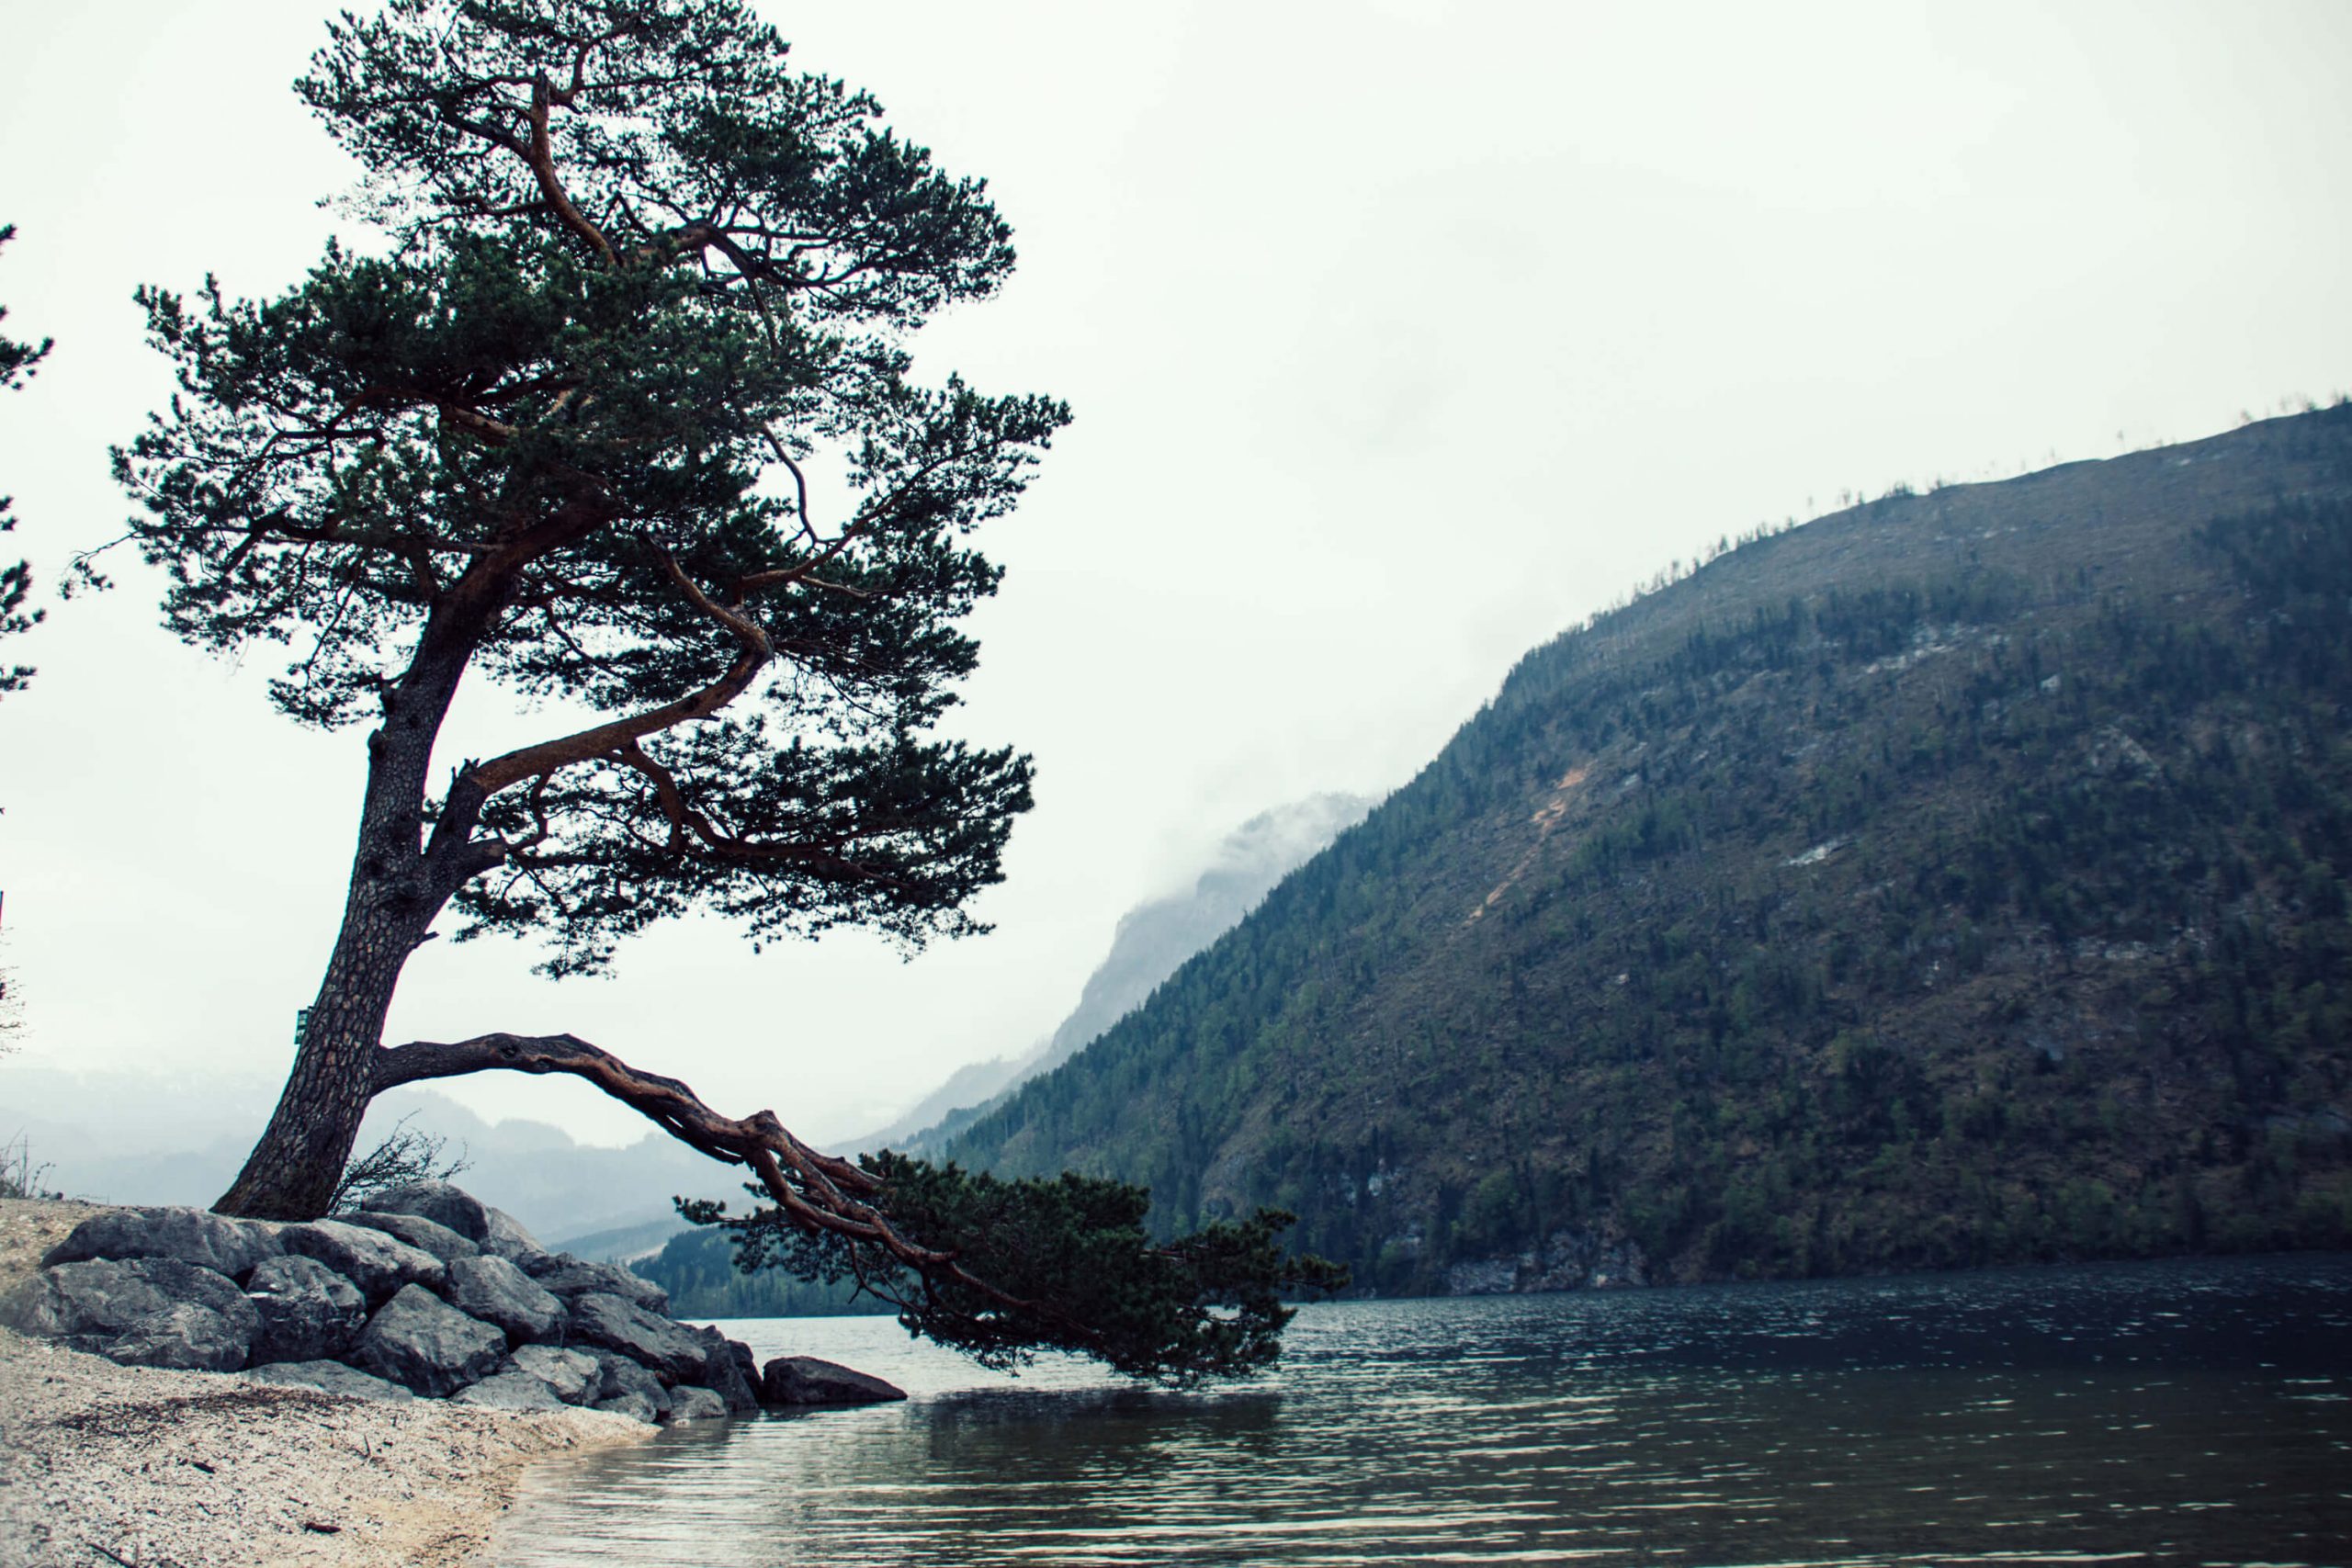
504, 1236
327, 1377
688, 1403
224, 1245
494, 1231
747, 1367
444, 1204
185, 1337
421, 1341
636, 1407
379, 1264
670, 1350
418, 1232
804, 1380
571, 1277
495, 1290
730, 1371
511, 1390
308, 1311
148, 1311
575, 1375
620, 1376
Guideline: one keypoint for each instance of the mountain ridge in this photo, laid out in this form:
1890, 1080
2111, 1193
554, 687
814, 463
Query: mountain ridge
1913, 887
1149, 942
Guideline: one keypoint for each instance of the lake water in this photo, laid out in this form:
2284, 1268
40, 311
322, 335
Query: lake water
2192, 1413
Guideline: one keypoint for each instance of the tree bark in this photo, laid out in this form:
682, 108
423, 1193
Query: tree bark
294, 1168
399, 883
818, 1191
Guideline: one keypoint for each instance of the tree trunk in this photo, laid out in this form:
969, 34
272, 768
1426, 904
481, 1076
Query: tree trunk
293, 1171
398, 884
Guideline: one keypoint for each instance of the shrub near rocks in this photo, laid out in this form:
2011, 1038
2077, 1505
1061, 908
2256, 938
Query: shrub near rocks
433, 1294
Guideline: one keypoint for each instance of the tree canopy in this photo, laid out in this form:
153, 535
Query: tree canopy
621, 418
649, 290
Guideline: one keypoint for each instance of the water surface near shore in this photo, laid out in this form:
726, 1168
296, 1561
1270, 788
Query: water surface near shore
2195, 1412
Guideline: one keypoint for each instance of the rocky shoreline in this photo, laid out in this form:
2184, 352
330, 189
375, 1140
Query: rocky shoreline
279, 1409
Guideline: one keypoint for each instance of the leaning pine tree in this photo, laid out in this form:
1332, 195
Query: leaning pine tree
623, 419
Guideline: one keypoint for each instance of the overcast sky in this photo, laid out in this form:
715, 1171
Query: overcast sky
1401, 334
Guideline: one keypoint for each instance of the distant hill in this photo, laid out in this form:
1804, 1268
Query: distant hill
1957, 879
138, 1138
1152, 940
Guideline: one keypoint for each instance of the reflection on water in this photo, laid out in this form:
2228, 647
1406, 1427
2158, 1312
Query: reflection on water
2196, 1413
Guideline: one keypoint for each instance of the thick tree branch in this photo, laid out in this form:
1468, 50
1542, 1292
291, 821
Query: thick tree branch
541, 157
603, 739
820, 1192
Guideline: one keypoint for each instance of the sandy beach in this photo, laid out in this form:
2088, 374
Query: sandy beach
101, 1464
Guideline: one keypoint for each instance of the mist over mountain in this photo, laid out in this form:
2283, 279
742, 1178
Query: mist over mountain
168, 1138
1150, 941
172, 1140
1960, 878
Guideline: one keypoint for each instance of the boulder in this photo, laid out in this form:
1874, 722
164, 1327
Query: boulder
419, 1340
636, 1407
308, 1311
622, 1378
728, 1371
495, 1290
503, 1236
571, 1277
148, 1311
327, 1377
226, 1247
380, 1265
513, 1389
449, 1207
185, 1337
418, 1232
574, 1375
688, 1403
804, 1380
671, 1349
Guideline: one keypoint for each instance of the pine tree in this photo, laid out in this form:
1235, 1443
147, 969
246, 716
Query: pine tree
624, 416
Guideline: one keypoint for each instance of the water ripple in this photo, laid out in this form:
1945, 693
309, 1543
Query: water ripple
2192, 1413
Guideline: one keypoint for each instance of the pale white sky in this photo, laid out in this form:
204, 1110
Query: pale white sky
1400, 336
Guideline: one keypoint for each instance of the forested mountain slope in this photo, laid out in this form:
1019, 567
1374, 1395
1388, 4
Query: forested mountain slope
1957, 879
1151, 941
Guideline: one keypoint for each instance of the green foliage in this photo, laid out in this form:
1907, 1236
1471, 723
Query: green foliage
625, 418
698, 1268
1067, 1265
1958, 880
